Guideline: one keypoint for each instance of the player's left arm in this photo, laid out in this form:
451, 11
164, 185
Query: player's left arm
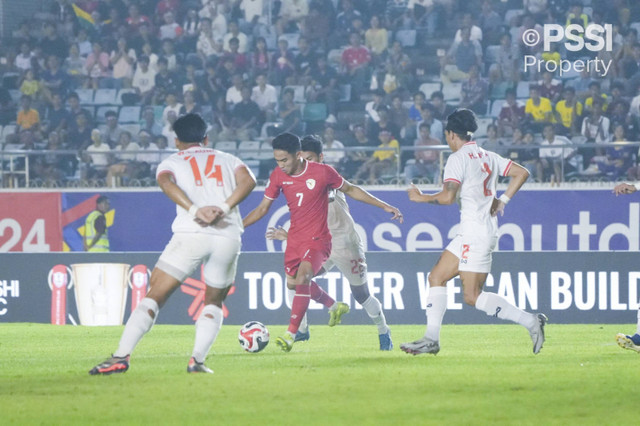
245, 182
518, 175
359, 194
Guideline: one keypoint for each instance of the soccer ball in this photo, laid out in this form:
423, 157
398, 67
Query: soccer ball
253, 336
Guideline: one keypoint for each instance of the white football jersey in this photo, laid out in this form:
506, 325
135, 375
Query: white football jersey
477, 171
340, 222
208, 178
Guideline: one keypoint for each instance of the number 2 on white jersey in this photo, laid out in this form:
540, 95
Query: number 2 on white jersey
300, 196
487, 191
210, 171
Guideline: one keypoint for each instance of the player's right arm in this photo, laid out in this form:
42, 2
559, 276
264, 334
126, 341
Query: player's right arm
446, 196
257, 213
205, 215
245, 182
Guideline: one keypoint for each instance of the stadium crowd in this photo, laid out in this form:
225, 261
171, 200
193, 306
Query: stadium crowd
102, 81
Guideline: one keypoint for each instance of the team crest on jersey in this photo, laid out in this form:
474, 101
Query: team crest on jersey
311, 183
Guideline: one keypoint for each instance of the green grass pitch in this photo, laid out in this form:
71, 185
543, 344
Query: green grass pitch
482, 375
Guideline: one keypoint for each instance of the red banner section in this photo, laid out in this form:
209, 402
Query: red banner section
30, 222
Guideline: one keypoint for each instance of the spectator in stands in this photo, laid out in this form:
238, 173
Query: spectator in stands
333, 149
475, 32
57, 117
97, 65
399, 115
549, 87
23, 59
30, 86
252, 9
382, 161
383, 123
528, 23
506, 61
475, 92
167, 129
376, 39
124, 160
135, 19
618, 97
165, 81
595, 92
397, 56
324, 85
537, 109
344, 21
292, 13
491, 24
80, 135
172, 104
304, 62
568, 113
112, 131
52, 43
53, 166
260, 58
28, 118
122, 61
266, 97
316, 27
194, 82
54, 79
245, 122
146, 161
414, 109
521, 151
144, 80
355, 63
426, 163
213, 86
234, 31
441, 109
73, 66
435, 126
96, 158
462, 55
148, 122
290, 114
73, 102
580, 84
168, 52
619, 116
491, 142
234, 93
282, 65
7, 107
554, 161
617, 159
240, 61
142, 37
190, 106
190, 30
629, 64
595, 126
208, 46
371, 107
147, 50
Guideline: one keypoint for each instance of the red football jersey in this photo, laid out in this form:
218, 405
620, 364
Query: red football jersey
307, 196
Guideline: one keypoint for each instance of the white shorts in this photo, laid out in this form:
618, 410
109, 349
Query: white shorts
186, 251
474, 252
351, 262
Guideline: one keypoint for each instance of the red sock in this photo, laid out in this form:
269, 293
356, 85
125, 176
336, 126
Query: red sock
299, 307
320, 296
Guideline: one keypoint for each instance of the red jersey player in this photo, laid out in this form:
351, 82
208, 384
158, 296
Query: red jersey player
306, 187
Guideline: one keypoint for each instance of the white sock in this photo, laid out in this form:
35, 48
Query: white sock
374, 310
304, 326
638, 328
207, 329
436, 307
138, 324
496, 306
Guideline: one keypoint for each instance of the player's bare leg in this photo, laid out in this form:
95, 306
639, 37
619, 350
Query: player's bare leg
497, 306
442, 272
140, 322
207, 328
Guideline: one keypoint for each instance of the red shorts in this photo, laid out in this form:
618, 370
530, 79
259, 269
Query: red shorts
315, 252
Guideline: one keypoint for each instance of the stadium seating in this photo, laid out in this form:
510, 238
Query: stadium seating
314, 112
483, 123
429, 88
226, 146
407, 38
105, 97
102, 110
249, 149
85, 96
451, 91
129, 114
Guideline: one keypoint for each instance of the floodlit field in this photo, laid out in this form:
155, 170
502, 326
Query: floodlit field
483, 375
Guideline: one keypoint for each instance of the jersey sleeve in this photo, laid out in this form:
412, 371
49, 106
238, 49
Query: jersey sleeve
503, 164
166, 166
334, 179
273, 186
454, 169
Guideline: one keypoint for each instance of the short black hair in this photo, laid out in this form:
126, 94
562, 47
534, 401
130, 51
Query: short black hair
287, 142
101, 199
190, 128
462, 122
437, 94
311, 143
